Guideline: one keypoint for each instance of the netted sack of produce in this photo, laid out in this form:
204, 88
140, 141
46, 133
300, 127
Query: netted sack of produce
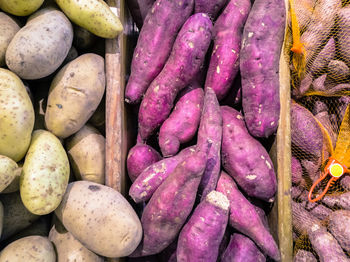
318, 40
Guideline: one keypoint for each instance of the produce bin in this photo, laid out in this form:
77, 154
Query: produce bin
121, 128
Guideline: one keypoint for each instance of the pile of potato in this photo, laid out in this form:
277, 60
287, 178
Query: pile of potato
52, 83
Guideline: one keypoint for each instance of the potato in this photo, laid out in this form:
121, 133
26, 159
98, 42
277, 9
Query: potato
40, 47
16, 116
86, 151
68, 247
74, 95
45, 174
100, 218
83, 39
8, 29
8, 173
20, 7
16, 216
93, 15
32, 248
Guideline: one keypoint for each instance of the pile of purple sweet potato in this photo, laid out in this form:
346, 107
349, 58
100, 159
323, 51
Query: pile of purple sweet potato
205, 80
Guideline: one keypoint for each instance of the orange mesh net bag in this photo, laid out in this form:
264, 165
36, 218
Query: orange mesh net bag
319, 44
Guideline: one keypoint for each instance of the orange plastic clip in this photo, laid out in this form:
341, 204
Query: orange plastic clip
333, 168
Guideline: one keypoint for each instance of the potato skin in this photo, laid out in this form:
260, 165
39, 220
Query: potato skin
86, 152
74, 94
93, 15
20, 7
16, 216
32, 248
8, 173
16, 116
90, 209
40, 47
45, 173
8, 29
68, 248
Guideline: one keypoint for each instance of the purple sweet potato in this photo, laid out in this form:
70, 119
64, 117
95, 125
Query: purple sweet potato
338, 70
325, 245
345, 182
171, 204
319, 28
183, 65
312, 167
259, 63
323, 58
343, 34
154, 44
244, 218
210, 7
316, 209
319, 84
245, 159
200, 238
304, 256
306, 132
242, 249
319, 107
338, 225
211, 129
338, 201
182, 124
139, 158
297, 171
224, 62
153, 176
323, 118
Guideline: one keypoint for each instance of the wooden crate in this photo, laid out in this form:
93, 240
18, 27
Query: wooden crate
121, 128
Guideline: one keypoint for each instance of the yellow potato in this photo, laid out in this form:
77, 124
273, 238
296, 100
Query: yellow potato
16, 216
100, 218
8, 173
68, 247
93, 15
14, 185
29, 249
74, 94
45, 174
20, 7
16, 116
8, 29
40, 47
86, 152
